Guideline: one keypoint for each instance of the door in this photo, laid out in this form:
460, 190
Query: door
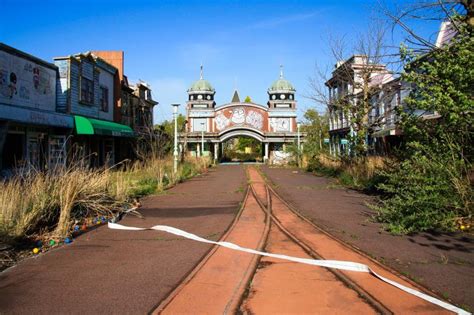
57, 151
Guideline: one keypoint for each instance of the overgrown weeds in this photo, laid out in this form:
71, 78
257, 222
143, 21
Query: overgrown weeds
428, 191
34, 202
357, 173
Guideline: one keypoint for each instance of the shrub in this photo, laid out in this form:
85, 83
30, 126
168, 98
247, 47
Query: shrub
425, 192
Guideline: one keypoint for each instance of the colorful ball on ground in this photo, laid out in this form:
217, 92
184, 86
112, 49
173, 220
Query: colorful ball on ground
36, 250
39, 243
76, 228
98, 222
52, 242
68, 240
84, 227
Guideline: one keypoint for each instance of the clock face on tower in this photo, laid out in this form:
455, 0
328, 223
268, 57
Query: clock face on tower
282, 96
291, 97
274, 97
209, 97
199, 97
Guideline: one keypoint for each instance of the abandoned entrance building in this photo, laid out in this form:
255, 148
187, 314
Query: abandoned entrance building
274, 125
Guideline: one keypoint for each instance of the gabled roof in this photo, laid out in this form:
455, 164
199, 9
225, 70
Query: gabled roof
381, 78
235, 97
446, 33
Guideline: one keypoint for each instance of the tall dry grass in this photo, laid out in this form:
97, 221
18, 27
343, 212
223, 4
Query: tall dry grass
356, 172
36, 202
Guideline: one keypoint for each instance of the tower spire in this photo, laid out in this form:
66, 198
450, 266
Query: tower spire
281, 71
201, 72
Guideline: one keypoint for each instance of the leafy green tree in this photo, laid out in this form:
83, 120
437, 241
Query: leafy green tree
247, 142
431, 187
316, 128
162, 137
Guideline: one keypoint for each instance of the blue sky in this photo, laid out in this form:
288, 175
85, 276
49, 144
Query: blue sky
240, 43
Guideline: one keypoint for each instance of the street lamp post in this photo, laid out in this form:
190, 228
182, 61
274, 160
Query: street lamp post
299, 144
202, 139
175, 151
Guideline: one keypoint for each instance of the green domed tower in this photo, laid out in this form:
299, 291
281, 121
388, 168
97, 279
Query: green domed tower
201, 94
281, 93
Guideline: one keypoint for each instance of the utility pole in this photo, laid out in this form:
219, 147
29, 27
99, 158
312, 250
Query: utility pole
175, 151
299, 144
320, 140
202, 139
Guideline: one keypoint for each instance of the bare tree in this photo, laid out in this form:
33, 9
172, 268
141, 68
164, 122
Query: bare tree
407, 16
349, 89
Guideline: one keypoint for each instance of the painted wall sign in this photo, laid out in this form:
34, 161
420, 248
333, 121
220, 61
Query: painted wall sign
25, 83
280, 113
37, 117
344, 141
201, 113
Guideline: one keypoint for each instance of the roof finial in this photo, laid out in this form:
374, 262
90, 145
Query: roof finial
281, 71
201, 71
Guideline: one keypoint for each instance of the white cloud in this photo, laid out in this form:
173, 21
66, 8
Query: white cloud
272, 23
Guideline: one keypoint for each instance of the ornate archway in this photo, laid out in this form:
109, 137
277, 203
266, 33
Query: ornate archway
273, 124
241, 132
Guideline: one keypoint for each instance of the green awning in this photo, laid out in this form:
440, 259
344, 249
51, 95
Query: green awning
90, 126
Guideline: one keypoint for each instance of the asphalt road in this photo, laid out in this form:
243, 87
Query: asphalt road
442, 262
121, 272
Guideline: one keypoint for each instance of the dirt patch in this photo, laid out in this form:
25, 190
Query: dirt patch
443, 262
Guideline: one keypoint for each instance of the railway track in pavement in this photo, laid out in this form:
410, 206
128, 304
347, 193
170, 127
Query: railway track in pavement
228, 281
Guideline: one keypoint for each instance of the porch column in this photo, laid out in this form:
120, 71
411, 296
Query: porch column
330, 146
3, 137
198, 150
265, 158
216, 151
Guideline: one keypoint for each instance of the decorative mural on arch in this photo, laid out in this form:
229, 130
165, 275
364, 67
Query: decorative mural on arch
240, 116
